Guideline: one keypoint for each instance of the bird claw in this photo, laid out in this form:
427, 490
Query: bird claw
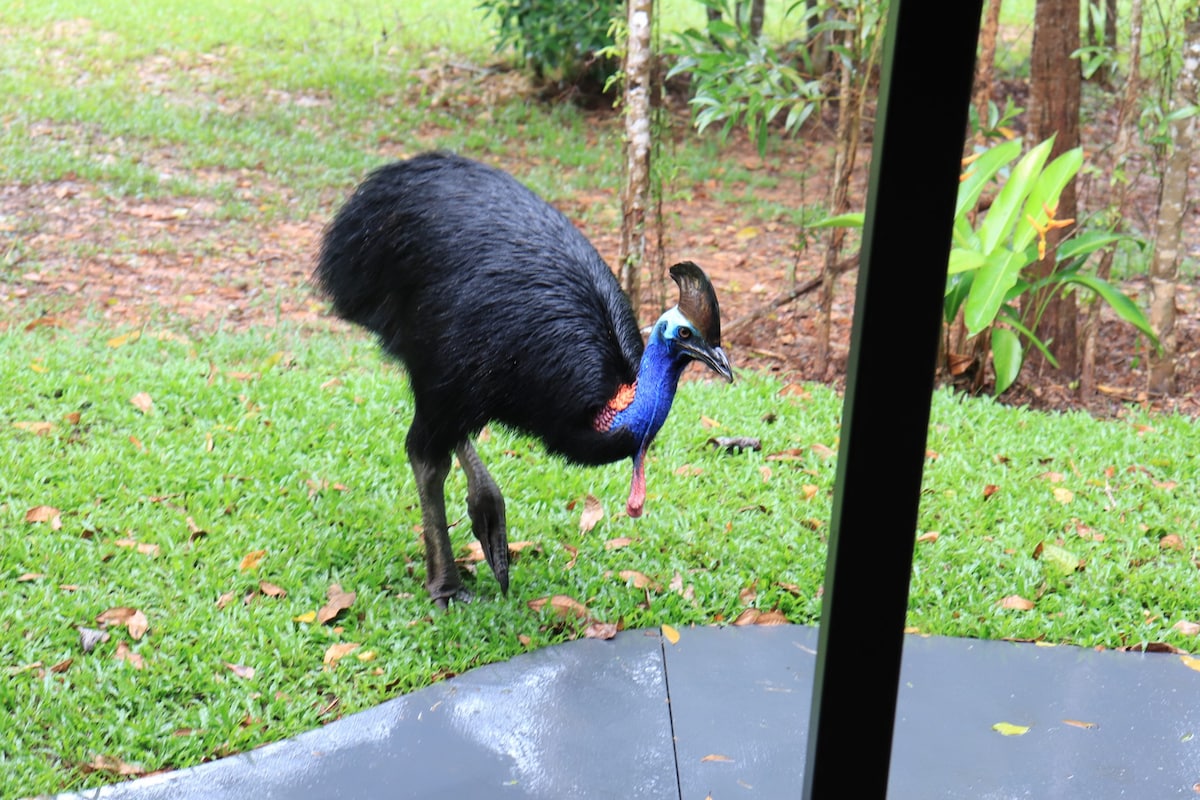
458, 596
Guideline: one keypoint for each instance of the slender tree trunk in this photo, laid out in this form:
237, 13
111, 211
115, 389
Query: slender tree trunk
1055, 85
985, 65
635, 194
1172, 206
849, 121
757, 11
1119, 184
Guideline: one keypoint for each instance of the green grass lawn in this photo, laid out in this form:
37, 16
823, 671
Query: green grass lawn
222, 485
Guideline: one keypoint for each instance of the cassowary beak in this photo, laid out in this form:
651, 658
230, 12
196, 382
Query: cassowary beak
712, 357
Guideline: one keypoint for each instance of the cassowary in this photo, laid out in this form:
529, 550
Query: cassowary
501, 310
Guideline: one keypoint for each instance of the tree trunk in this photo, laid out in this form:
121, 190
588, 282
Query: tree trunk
1055, 84
1172, 206
1122, 152
757, 10
985, 65
635, 194
849, 122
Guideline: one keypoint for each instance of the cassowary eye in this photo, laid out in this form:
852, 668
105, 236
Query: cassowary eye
685, 333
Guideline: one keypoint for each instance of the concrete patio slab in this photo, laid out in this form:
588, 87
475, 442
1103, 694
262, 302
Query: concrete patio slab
723, 713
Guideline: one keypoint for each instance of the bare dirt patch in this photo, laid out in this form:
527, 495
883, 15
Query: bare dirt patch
72, 252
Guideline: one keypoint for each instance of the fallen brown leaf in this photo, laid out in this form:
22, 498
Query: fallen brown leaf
670, 634
748, 617
114, 765
593, 512
339, 601
244, 672
638, 579
1172, 541
36, 428
45, 514
142, 402
135, 621
716, 757
251, 560
618, 543
1186, 628
271, 590
600, 630
1074, 723
124, 653
562, 605
928, 537
774, 617
1016, 602
336, 652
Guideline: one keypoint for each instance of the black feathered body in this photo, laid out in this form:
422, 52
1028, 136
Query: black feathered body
499, 308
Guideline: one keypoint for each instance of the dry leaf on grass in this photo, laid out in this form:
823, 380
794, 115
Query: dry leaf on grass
339, 601
601, 630
114, 765
1186, 628
618, 543
638, 579
142, 402
271, 590
36, 428
1016, 602
133, 620
244, 672
45, 514
251, 560
335, 652
593, 512
127, 655
562, 605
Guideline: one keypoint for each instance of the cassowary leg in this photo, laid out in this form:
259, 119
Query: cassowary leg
486, 507
441, 573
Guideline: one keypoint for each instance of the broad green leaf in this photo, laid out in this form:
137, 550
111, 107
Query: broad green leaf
853, 219
991, 285
1057, 174
1005, 211
1059, 560
1007, 357
1120, 302
1087, 243
958, 286
963, 260
982, 170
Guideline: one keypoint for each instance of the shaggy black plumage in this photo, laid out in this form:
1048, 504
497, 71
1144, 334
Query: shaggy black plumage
500, 310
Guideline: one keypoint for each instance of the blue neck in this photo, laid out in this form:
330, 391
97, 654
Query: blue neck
657, 380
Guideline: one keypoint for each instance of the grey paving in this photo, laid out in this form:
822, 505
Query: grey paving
723, 713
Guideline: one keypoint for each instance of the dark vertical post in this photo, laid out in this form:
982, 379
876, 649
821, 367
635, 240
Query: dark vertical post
920, 128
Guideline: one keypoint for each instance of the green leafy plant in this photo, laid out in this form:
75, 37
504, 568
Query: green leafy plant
741, 80
987, 282
567, 37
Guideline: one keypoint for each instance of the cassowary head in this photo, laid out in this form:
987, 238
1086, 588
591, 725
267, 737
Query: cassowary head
693, 327
689, 331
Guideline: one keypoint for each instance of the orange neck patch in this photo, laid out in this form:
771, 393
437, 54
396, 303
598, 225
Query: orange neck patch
619, 402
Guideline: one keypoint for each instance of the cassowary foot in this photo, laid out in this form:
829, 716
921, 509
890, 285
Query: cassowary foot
485, 505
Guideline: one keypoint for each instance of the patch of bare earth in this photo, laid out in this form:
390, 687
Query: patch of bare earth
73, 252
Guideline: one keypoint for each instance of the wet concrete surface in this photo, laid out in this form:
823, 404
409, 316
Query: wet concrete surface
723, 713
